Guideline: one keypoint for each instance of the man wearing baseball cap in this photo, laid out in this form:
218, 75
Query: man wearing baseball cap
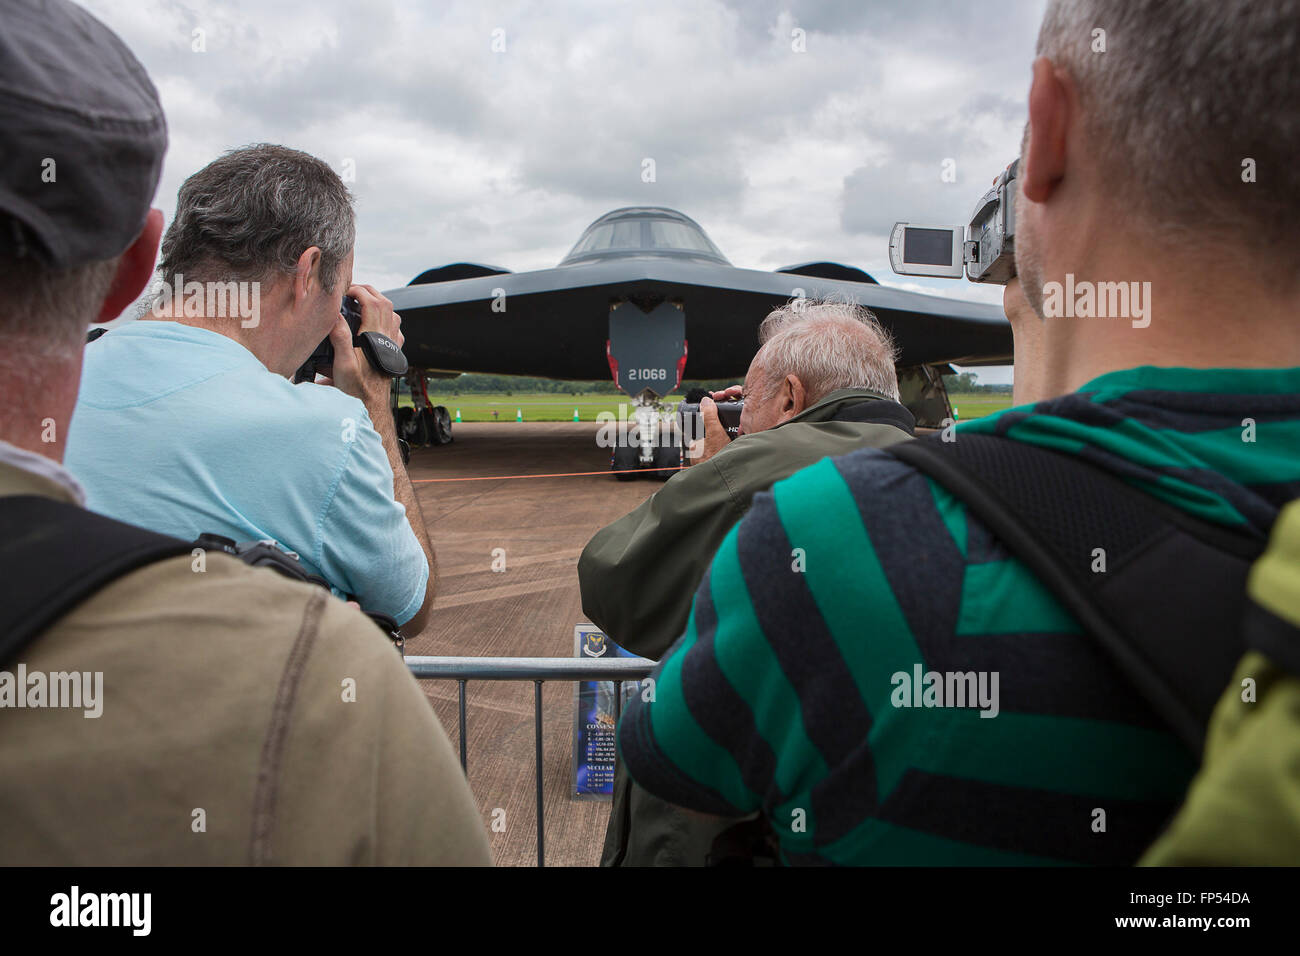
162, 710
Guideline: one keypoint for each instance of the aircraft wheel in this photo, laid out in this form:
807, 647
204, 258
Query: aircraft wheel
402, 417
420, 430
440, 425
624, 459
668, 459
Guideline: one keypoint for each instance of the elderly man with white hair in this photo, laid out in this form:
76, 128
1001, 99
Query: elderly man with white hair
822, 384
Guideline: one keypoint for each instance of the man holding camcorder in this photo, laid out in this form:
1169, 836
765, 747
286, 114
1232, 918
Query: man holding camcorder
188, 422
949, 680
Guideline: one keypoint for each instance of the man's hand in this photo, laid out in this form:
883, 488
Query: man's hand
352, 372
715, 436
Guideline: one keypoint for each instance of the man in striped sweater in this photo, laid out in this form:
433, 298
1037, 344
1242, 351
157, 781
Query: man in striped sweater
1163, 160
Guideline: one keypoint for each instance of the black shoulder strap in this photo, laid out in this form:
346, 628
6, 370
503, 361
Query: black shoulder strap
1274, 637
54, 555
1168, 607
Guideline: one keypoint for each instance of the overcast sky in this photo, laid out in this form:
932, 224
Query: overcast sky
466, 153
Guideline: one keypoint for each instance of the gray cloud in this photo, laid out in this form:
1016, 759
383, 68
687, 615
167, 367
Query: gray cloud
462, 153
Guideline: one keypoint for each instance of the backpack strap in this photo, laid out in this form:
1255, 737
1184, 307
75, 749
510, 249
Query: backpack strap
1166, 610
54, 555
1274, 637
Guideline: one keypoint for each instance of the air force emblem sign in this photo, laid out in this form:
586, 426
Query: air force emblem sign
593, 643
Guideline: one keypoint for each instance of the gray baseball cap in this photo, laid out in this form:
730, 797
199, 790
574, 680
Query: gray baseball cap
84, 136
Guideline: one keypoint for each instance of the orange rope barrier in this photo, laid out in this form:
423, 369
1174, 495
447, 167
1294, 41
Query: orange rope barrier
571, 474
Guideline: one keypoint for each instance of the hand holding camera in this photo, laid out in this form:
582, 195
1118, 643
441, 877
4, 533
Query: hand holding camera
719, 415
983, 250
373, 329
364, 365
366, 325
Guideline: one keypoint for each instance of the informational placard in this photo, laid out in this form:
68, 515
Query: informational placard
594, 717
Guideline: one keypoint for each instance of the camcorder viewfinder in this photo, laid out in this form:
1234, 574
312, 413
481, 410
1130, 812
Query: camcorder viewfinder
984, 250
692, 423
383, 354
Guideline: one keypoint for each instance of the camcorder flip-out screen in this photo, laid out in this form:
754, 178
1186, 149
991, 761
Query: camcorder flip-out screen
930, 247
926, 250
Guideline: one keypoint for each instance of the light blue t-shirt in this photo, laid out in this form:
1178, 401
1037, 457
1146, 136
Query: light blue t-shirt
183, 431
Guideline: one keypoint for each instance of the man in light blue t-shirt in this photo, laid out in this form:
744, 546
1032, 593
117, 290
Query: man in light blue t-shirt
187, 420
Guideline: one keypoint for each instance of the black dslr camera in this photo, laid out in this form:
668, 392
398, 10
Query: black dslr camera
692, 423
383, 353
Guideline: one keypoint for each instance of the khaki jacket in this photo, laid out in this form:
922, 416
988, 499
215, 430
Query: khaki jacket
226, 735
638, 575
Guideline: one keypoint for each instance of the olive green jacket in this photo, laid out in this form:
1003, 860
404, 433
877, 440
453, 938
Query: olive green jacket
244, 719
638, 575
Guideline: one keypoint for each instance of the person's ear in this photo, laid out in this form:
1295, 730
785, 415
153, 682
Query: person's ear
1051, 99
306, 275
799, 393
134, 269
793, 397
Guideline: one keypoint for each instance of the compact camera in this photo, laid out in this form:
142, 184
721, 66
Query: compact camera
383, 353
692, 423
984, 249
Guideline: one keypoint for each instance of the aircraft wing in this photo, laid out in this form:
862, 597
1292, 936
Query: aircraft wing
555, 323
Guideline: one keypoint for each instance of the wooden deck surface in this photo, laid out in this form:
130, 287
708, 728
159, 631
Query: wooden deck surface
529, 610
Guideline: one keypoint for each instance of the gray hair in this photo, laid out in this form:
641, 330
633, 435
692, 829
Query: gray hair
828, 345
1184, 94
44, 312
250, 214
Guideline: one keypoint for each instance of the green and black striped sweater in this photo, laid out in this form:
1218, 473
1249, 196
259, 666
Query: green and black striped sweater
784, 694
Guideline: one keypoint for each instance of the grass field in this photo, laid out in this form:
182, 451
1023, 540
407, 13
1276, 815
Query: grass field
548, 407
972, 405
535, 406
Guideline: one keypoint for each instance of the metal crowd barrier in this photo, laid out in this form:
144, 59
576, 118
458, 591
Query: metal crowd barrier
538, 670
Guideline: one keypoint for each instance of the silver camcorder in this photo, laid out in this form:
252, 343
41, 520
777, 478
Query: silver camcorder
985, 250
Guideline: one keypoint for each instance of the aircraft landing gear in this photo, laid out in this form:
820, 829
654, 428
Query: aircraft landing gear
624, 462
651, 443
668, 456
420, 423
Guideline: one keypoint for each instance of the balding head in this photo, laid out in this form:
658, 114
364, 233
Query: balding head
1181, 103
808, 350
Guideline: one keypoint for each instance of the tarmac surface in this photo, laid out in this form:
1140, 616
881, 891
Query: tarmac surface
527, 610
